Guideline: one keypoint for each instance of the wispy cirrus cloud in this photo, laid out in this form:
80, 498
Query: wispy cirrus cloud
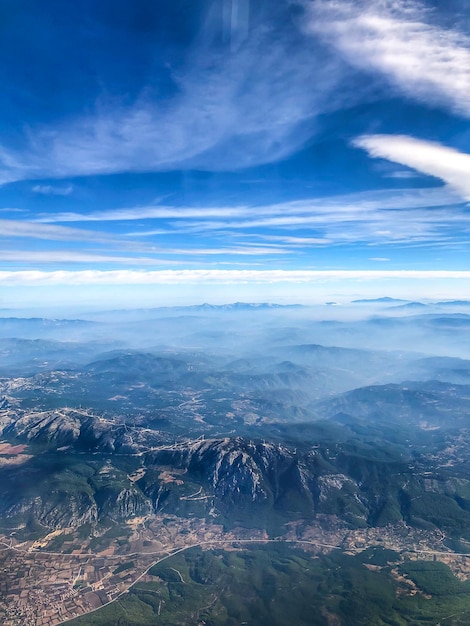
54, 233
162, 256
51, 232
387, 216
295, 242
230, 108
371, 227
229, 250
399, 41
54, 257
147, 212
427, 157
432, 215
348, 203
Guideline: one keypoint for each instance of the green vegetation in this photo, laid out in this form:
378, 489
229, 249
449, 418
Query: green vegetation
434, 578
114, 532
123, 567
279, 584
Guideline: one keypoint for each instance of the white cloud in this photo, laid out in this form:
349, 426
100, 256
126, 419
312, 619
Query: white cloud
64, 256
240, 250
433, 159
147, 212
399, 41
83, 256
53, 190
401, 174
192, 277
296, 242
51, 232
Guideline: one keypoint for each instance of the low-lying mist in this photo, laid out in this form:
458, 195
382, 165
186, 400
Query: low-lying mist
252, 363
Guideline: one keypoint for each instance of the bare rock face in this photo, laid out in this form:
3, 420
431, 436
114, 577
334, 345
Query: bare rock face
60, 428
65, 427
58, 510
239, 475
233, 469
120, 505
80, 509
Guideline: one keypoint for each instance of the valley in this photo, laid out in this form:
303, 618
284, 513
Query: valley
131, 475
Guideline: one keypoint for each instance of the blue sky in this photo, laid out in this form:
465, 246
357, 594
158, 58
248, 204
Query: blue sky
224, 149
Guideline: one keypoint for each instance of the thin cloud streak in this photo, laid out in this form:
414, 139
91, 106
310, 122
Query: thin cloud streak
384, 199
388, 216
379, 217
52, 190
398, 41
18, 228
406, 174
367, 225
198, 276
64, 256
146, 212
300, 242
241, 250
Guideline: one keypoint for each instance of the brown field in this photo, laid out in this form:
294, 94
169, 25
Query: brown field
6, 448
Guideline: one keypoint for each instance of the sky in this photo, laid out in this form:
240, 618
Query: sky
156, 152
